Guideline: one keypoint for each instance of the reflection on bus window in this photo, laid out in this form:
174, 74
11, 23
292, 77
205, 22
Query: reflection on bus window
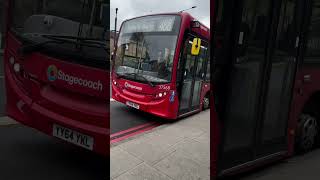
313, 43
71, 21
82, 18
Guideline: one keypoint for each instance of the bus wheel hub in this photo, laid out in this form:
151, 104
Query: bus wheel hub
308, 132
206, 103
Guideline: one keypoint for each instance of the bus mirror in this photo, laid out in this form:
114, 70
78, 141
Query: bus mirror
196, 45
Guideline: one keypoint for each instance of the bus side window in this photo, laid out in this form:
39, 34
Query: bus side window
207, 67
181, 72
202, 60
208, 70
313, 37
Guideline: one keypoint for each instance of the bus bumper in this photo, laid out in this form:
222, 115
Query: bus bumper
21, 108
162, 108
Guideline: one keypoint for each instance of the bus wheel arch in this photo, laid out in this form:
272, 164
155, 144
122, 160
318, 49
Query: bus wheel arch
308, 134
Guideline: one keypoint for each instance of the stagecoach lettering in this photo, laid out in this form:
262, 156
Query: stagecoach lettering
73, 80
127, 85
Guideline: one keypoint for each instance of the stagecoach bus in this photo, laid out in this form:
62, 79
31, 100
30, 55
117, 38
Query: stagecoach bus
266, 79
161, 65
56, 62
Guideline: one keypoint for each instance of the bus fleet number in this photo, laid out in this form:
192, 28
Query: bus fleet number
164, 87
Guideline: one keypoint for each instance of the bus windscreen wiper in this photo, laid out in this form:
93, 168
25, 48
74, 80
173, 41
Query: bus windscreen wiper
68, 37
136, 74
91, 42
26, 49
55, 39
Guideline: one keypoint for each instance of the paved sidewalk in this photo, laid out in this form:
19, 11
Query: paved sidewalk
176, 151
5, 121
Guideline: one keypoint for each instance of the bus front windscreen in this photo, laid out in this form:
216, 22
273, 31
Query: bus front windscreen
146, 48
74, 30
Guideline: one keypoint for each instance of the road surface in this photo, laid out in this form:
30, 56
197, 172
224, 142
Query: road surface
28, 154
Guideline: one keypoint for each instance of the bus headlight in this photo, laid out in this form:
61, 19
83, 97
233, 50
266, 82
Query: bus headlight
11, 60
161, 94
16, 67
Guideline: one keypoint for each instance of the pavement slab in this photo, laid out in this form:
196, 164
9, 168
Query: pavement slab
121, 161
204, 138
198, 122
176, 150
180, 166
198, 151
150, 148
142, 172
180, 131
5, 121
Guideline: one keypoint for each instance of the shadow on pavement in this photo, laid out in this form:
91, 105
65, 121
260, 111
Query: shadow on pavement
28, 154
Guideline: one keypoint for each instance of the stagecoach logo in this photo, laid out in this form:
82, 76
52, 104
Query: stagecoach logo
127, 85
54, 74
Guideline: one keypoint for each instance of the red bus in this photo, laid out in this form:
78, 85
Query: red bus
266, 74
161, 65
56, 65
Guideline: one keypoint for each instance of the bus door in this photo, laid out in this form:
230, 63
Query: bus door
192, 76
280, 76
258, 85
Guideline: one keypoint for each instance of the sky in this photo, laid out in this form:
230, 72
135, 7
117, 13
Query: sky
133, 8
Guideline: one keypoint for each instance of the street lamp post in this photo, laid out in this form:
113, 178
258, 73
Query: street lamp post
193, 7
115, 28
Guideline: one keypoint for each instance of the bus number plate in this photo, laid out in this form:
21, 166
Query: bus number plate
134, 105
73, 137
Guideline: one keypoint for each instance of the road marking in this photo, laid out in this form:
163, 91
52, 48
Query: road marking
134, 133
131, 129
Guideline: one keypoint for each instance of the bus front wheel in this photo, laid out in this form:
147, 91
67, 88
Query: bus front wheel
206, 102
307, 133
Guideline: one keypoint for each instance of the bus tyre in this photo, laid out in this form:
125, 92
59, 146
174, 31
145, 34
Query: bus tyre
206, 102
307, 133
